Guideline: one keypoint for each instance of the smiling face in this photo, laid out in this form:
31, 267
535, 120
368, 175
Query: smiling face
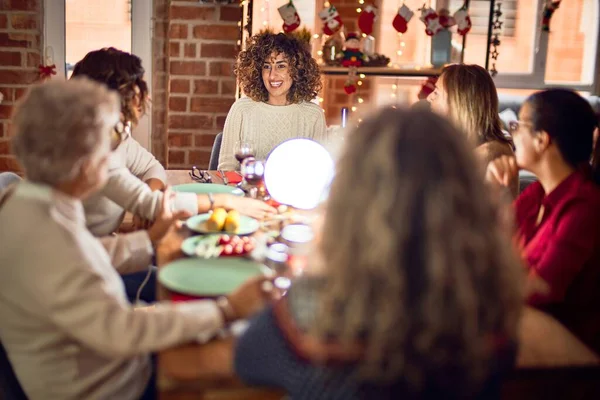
276, 78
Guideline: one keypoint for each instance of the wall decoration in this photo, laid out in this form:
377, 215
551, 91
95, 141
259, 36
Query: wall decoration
289, 14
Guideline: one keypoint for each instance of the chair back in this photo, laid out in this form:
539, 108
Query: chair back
213, 164
10, 388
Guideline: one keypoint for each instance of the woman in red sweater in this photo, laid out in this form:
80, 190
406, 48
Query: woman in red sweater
558, 217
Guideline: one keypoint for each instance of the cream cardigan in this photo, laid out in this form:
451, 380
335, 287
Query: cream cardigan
267, 126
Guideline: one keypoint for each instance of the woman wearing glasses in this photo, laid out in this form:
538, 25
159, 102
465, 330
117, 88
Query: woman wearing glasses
558, 218
132, 165
468, 96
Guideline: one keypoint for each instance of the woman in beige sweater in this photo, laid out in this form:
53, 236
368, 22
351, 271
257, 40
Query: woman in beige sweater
468, 96
280, 78
67, 327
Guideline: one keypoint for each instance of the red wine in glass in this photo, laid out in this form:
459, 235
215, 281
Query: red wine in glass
253, 179
242, 155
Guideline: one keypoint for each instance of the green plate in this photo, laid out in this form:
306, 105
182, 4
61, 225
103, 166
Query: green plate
208, 278
203, 188
197, 223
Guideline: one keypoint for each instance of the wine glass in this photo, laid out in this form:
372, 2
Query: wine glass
243, 149
253, 171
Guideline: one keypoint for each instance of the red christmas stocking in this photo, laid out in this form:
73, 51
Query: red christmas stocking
291, 19
463, 21
431, 20
367, 18
401, 20
332, 22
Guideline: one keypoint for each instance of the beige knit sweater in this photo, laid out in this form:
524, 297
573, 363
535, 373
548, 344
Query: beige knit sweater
266, 126
67, 326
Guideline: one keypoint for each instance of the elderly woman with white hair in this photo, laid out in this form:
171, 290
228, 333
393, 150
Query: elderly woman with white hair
67, 327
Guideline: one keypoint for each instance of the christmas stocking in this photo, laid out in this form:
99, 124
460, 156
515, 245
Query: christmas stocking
291, 19
427, 87
431, 20
463, 21
401, 20
547, 14
332, 22
366, 19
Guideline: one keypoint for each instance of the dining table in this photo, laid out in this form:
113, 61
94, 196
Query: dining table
204, 371
198, 371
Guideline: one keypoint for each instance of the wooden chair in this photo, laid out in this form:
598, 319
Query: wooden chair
10, 388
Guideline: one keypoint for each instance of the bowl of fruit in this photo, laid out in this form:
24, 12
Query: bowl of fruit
214, 246
220, 221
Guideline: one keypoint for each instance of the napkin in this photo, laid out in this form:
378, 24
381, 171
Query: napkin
233, 177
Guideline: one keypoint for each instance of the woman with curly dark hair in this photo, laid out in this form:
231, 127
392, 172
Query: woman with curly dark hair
280, 78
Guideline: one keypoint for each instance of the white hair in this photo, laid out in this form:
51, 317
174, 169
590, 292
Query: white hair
60, 124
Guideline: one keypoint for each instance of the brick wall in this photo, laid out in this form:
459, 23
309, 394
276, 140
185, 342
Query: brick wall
20, 50
202, 46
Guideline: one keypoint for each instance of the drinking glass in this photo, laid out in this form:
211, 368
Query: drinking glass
243, 149
253, 172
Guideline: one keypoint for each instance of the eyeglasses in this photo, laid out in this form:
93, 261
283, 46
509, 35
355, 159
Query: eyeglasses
514, 126
119, 133
200, 176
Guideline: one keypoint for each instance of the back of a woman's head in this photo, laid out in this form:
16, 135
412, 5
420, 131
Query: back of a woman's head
473, 101
568, 119
303, 68
413, 253
120, 71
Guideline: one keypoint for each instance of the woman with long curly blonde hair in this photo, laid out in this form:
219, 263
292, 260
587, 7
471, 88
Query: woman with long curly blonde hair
418, 294
280, 78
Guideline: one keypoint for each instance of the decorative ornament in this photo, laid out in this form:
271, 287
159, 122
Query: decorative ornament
351, 55
549, 9
495, 40
463, 20
291, 19
367, 18
446, 20
350, 87
47, 68
431, 20
401, 20
46, 71
332, 22
427, 87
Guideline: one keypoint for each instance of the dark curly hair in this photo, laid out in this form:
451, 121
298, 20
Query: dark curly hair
120, 71
304, 71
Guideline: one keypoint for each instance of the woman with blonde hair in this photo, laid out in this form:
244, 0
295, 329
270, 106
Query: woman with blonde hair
468, 96
418, 294
280, 79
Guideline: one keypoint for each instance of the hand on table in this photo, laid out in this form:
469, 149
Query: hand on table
251, 207
502, 170
252, 296
166, 219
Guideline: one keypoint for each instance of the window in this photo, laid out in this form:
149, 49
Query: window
75, 27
